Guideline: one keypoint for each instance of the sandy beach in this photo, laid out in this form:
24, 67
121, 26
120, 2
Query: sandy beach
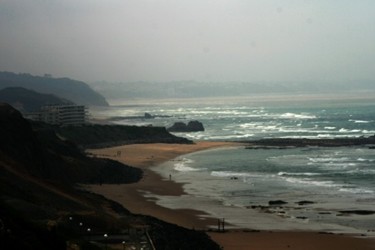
131, 196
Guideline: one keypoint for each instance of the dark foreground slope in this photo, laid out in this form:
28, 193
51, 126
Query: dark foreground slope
41, 153
41, 206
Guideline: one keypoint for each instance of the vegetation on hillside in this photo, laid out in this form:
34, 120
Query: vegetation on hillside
92, 136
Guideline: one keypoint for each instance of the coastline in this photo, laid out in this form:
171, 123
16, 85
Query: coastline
133, 197
146, 156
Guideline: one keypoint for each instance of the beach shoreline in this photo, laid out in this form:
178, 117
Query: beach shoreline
146, 156
134, 198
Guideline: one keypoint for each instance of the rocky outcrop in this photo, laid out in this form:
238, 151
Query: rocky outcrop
98, 136
277, 203
192, 126
148, 116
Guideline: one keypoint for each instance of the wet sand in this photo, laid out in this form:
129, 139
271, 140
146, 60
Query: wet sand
131, 196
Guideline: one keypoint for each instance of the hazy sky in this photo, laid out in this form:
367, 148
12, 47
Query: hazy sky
203, 40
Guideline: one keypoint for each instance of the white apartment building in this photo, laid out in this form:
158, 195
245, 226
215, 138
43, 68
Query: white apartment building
62, 115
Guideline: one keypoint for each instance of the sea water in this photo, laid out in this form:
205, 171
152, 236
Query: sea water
244, 119
238, 184
323, 188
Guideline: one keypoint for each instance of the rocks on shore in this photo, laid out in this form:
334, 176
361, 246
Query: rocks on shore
277, 203
192, 126
302, 203
356, 212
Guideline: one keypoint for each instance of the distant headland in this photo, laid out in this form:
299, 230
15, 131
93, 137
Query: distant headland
69, 89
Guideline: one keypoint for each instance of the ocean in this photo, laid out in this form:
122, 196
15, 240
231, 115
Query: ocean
322, 189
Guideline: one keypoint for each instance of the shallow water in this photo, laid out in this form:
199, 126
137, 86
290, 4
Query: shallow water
234, 183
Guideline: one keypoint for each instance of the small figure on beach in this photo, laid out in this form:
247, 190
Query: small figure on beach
170, 177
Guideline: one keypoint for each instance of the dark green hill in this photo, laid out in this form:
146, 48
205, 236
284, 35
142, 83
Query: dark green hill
27, 100
97, 136
38, 172
43, 154
76, 91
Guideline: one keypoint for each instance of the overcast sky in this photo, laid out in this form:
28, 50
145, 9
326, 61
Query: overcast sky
202, 40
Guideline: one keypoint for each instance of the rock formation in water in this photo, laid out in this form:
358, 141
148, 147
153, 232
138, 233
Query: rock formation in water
192, 126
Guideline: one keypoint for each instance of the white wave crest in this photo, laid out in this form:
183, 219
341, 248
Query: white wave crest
232, 174
297, 174
328, 160
359, 121
356, 190
182, 166
310, 182
330, 128
297, 116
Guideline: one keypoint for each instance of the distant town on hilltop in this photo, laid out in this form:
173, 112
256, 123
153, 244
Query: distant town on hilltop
197, 89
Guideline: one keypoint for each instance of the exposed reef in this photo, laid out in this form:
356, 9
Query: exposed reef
145, 116
282, 143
